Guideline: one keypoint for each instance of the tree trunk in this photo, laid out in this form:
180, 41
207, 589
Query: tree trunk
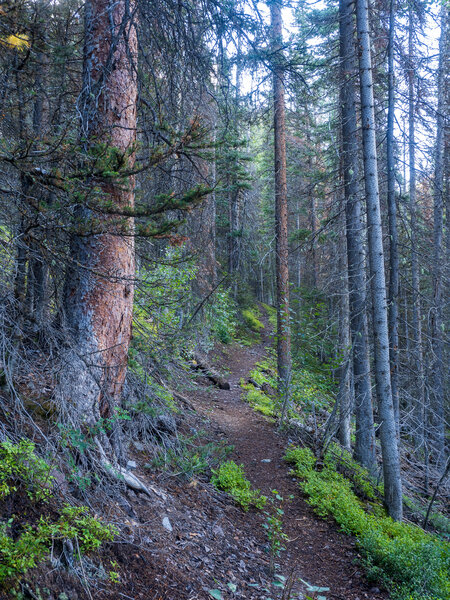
365, 434
344, 396
100, 283
393, 233
415, 277
389, 443
281, 213
438, 420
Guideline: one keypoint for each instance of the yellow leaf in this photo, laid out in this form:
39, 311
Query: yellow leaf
19, 42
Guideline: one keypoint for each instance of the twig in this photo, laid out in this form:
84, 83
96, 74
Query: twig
443, 476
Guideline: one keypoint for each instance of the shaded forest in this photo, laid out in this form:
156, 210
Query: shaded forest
242, 204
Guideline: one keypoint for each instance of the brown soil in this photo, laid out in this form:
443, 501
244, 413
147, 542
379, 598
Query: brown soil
212, 542
316, 551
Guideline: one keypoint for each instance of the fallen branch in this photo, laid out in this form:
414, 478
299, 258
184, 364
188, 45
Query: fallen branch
199, 364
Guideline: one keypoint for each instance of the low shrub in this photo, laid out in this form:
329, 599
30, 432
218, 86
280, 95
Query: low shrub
230, 478
258, 400
221, 314
23, 545
413, 564
20, 468
252, 321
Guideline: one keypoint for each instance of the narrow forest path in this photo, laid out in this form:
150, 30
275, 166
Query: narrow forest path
317, 552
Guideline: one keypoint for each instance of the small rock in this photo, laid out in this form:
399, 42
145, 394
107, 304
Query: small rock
167, 524
266, 460
374, 590
217, 530
140, 447
131, 465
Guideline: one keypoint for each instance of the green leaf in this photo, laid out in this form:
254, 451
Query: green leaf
217, 594
232, 586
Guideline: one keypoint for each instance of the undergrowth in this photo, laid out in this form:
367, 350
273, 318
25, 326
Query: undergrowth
413, 564
230, 478
258, 400
23, 545
190, 457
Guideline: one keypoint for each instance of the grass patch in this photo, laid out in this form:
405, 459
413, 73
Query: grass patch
413, 564
230, 478
251, 319
258, 400
271, 314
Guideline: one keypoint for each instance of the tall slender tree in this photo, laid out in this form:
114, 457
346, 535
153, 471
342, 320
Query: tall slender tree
419, 407
392, 213
389, 444
438, 420
281, 210
365, 435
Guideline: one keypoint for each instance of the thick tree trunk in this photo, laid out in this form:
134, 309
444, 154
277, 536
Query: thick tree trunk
281, 214
393, 233
99, 285
365, 434
389, 442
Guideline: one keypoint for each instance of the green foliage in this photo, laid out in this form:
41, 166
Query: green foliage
258, 400
342, 461
161, 302
272, 315
313, 340
191, 457
273, 525
221, 316
302, 459
157, 401
311, 389
251, 319
23, 552
439, 521
24, 545
20, 468
411, 562
230, 478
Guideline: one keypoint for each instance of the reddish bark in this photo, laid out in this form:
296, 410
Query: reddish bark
281, 213
99, 288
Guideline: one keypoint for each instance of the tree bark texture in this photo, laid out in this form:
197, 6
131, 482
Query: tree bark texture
438, 420
99, 286
419, 407
392, 214
344, 399
281, 212
389, 442
365, 434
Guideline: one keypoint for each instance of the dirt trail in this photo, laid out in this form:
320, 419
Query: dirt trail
317, 552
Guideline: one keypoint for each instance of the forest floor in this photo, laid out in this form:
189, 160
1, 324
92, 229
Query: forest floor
189, 539
316, 551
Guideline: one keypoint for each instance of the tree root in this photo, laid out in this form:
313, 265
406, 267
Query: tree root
121, 474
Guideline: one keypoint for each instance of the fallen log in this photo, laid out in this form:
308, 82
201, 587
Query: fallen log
200, 364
